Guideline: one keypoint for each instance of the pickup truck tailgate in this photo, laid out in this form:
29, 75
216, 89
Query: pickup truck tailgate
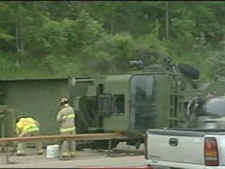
221, 148
176, 146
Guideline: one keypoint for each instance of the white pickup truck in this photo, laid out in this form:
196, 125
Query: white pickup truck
185, 148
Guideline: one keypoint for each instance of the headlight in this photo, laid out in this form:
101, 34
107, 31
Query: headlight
210, 125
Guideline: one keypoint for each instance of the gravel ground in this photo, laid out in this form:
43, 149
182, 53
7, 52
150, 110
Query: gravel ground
87, 158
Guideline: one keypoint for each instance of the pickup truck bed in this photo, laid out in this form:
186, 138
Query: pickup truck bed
185, 148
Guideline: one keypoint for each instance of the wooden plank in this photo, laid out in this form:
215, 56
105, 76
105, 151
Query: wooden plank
76, 137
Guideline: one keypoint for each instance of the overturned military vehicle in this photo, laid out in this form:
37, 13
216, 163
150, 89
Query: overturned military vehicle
149, 97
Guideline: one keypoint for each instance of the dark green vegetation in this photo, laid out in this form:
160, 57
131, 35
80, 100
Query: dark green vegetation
50, 39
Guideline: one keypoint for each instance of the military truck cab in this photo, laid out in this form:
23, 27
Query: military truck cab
131, 103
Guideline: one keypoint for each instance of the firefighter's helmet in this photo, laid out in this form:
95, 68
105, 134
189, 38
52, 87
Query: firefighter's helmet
63, 100
18, 118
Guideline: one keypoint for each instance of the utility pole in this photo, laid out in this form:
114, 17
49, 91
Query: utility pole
224, 44
167, 19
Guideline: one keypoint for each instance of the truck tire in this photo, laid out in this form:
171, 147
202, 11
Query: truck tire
189, 71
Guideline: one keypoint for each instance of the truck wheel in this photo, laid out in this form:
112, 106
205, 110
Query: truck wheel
189, 71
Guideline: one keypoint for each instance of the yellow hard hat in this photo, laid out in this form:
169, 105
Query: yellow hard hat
63, 100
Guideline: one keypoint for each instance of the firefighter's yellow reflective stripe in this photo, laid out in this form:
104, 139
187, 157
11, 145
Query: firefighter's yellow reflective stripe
70, 116
67, 129
32, 129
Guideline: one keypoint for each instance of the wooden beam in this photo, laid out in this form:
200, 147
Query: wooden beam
76, 137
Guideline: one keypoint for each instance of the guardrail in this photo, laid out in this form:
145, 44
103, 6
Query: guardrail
7, 141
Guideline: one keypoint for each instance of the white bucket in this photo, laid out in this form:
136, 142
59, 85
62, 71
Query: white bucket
52, 151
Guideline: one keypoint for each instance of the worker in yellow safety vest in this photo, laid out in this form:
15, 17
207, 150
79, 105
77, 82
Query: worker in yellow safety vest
66, 118
26, 127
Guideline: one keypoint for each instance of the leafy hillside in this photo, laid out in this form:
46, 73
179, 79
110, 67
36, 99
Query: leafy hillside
53, 38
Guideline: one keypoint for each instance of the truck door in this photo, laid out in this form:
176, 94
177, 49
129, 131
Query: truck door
142, 102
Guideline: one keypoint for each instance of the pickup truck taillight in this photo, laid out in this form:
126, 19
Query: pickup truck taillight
146, 146
211, 152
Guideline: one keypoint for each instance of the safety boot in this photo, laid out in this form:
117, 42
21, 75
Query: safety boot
40, 152
73, 154
20, 153
65, 155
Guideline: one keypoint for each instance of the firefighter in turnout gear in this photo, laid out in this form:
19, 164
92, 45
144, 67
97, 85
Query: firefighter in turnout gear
66, 118
27, 127
194, 109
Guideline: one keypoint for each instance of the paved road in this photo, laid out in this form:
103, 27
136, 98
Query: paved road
83, 159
